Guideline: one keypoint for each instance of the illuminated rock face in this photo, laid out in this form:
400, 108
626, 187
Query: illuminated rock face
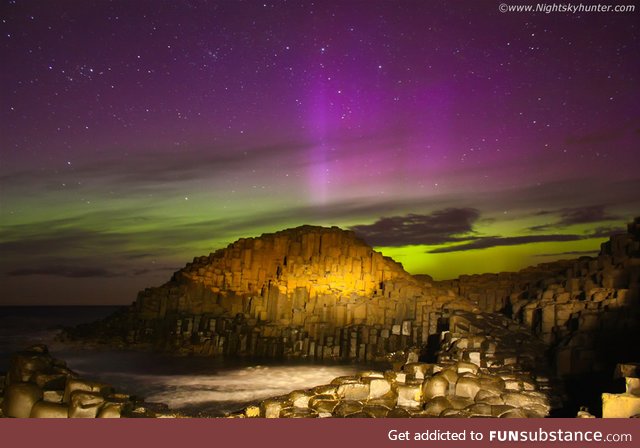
266, 278
487, 366
305, 292
582, 308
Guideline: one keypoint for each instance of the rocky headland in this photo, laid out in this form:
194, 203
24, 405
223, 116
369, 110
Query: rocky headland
534, 343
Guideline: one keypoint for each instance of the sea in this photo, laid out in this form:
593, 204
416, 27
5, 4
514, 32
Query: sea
195, 386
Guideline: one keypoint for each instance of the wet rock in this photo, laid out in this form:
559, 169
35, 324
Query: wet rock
353, 391
498, 410
378, 387
435, 406
418, 370
252, 411
361, 414
492, 384
479, 410
390, 400
489, 397
293, 412
346, 408
620, 405
514, 413
450, 374
454, 413
436, 386
410, 395
300, 399
398, 413
53, 396
460, 402
340, 380
111, 410
467, 387
323, 403
84, 404
44, 409
326, 389
376, 411
74, 385
466, 367
524, 399
271, 407
19, 399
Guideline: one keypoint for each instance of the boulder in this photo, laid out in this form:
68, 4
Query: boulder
271, 407
74, 384
620, 405
353, 391
398, 413
435, 406
53, 396
514, 413
467, 387
300, 399
499, 409
418, 370
378, 387
111, 410
460, 402
436, 386
479, 410
466, 367
524, 399
19, 399
633, 386
325, 389
84, 404
50, 381
410, 395
347, 407
292, 412
44, 409
376, 411
323, 403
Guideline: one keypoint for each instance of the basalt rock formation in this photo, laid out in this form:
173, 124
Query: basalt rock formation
40, 386
479, 345
587, 310
487, 366
306, 292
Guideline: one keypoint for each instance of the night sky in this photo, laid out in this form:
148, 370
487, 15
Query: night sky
136, 135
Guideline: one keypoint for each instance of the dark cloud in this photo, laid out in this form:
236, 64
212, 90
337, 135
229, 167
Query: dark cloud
64, 271
605, 232
442, 226
494, 241
60, 241
570, 252
577, 215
